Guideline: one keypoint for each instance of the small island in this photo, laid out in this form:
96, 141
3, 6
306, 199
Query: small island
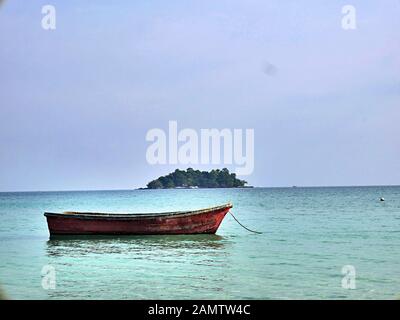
198, 179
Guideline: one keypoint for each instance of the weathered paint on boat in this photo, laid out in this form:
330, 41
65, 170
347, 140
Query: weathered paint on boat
181, 222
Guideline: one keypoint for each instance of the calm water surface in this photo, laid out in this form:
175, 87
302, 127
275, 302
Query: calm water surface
309, 234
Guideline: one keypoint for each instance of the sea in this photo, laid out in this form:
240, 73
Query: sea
316, 243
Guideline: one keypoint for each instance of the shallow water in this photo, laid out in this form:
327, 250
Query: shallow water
309, 234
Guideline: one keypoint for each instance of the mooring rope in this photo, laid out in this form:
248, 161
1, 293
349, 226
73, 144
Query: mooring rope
243, 225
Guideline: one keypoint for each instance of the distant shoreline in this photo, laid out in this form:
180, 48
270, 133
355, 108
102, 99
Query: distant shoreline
174, 188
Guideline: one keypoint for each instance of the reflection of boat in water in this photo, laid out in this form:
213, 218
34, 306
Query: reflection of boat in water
200, 238
181, 222
60, 245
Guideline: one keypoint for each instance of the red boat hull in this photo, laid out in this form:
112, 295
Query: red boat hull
190, 222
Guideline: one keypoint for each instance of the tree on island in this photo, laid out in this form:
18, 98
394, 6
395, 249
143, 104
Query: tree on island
196, 178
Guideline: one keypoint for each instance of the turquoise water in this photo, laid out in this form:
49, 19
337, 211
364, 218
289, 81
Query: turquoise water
309, 234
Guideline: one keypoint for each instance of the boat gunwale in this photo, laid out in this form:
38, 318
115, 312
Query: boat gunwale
129, 216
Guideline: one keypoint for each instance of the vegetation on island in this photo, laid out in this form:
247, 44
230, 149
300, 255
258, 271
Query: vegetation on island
197, 179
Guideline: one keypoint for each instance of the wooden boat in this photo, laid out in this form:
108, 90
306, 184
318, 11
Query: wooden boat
181, 222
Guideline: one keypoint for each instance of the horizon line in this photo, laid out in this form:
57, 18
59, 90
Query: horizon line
247, 187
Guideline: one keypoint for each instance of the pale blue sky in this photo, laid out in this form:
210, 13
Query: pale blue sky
76, 103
